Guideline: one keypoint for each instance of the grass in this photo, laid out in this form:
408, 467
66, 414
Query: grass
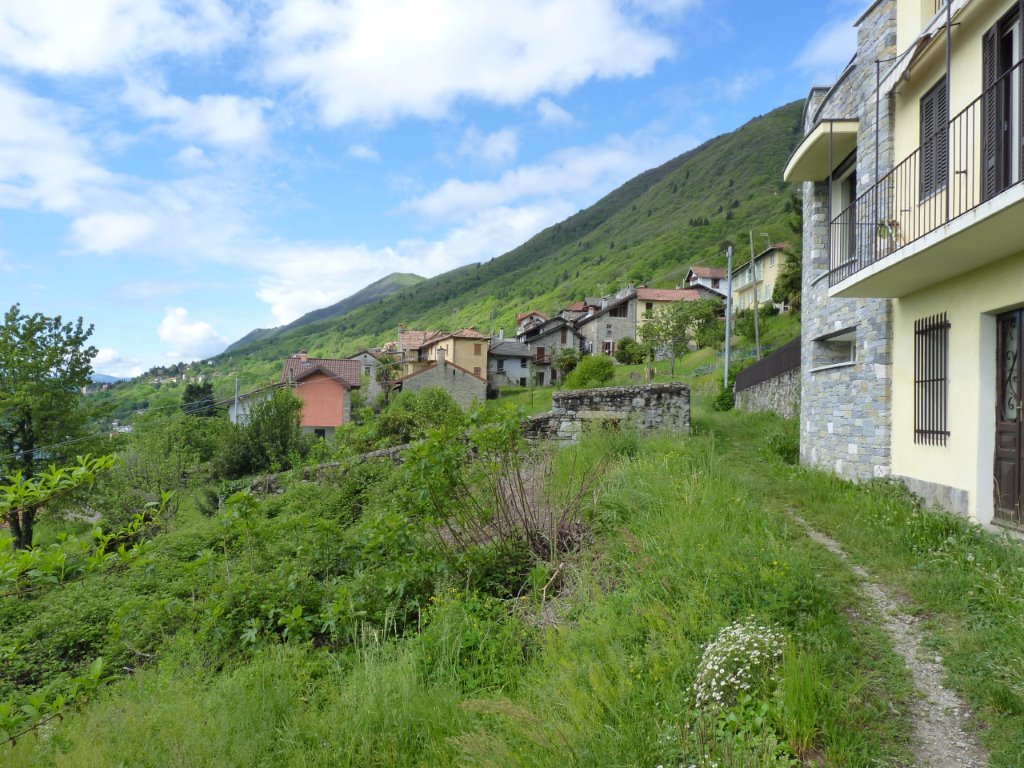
600, 675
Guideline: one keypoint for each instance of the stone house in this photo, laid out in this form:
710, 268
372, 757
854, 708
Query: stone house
369, 364
465, 387
545, 341
466, 348
623, 315
914, 256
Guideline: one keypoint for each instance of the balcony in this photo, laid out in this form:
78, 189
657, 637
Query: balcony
952, 206
541, 359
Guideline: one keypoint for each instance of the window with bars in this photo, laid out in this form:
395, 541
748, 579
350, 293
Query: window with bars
934, 139
931, 380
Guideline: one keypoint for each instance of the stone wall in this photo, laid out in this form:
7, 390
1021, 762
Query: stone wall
780, 395
654, 406
464, 387
845, 404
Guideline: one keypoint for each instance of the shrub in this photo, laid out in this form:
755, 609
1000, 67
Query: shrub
592, 371
268, 441
628, 352
783, 442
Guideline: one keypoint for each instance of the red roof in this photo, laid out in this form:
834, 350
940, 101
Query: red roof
297, 368
712, 272
666, 294
414, 339
576, 306
524, 315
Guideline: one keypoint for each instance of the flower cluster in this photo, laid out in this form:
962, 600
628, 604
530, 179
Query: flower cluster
742, 655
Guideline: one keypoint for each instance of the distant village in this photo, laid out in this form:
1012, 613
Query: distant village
469, 364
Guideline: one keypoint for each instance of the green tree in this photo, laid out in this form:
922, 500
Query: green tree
628, 352
593, 371
788, 285
44, 363
566, 359
664, 332
198, 399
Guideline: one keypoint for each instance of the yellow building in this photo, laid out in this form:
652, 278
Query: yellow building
759, 281
466, 348
939, 233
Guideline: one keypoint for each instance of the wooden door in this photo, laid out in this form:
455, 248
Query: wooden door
1008, 466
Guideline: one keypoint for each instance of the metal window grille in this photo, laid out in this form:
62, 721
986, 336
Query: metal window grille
931, 380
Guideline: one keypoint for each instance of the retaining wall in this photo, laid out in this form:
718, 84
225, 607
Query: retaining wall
650, 407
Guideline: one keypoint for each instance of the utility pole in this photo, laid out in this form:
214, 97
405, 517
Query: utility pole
728, 316
753, 280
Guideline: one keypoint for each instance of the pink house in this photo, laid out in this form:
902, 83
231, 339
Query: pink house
324, 386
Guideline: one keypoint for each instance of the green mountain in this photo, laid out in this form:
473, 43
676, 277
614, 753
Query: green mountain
373, 292
650, 230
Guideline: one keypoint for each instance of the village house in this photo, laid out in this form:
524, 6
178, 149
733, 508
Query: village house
324, 385
370, 365
465, 387
623, 315
508, 363
757, 284
545, 341
913, 274
466, 348
710, 281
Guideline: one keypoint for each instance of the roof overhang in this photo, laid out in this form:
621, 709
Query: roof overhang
831, 141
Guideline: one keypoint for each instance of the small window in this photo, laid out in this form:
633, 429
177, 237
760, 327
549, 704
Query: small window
476, 371
771, 259
608, 330
619, 311
565, 334
477, 349
320, 433
608, 347
931, 380
835, 349
649, 306
522, 382
715, 282
501, 365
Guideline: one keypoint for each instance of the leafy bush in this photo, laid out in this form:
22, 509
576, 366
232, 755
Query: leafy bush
628, 352
592, 371
268, 441
783, 442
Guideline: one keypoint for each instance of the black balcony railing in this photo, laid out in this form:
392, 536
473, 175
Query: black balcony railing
931, 188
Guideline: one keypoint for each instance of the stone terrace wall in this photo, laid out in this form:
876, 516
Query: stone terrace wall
654, 406
780, 394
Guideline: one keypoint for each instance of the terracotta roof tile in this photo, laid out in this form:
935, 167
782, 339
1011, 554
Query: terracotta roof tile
296, 368
524, 315
712, 272
664, 294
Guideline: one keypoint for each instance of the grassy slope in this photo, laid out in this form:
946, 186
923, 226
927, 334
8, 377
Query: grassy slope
639, 232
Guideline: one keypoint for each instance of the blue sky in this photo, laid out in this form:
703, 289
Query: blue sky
179, 172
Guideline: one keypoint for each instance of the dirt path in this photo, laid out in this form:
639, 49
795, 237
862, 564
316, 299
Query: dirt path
939, 717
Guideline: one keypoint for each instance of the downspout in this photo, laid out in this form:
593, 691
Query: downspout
949, 87
828, 214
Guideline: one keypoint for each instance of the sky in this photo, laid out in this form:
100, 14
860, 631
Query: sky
179, 172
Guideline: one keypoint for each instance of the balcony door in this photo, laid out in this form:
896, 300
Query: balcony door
1002, 107
1009, 419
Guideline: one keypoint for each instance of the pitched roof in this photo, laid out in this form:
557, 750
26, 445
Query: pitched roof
510, 349
414, 339
524, 315
712, 272
576, 306
665, 294
431, 366
346, 371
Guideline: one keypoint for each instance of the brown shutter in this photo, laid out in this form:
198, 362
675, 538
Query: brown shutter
989, 115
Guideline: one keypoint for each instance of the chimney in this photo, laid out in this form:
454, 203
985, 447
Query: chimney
303, 355
501, 334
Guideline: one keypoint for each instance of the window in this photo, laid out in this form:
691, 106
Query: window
649, 306
715, 282
834, 350
501, 365
934, 139
619, 311
564, 335
608, 347
771, 259
522, 381
608, 330
931, 380
476, 371
320, 433
477, 349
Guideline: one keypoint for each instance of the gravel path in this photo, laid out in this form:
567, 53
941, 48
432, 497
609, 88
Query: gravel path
940, 718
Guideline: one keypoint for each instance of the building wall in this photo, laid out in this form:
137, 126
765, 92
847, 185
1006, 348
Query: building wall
608, 328
845, 409
469, 353
464, 388
515, 368
965, 463
779, 395
325, 402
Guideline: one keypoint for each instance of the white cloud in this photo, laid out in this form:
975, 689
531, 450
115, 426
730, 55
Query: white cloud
299, 277
109, 232
185, 340
829, 51
573, 171
664, 7
356, 63
193, 157
496, 148
737, 87
87, 37
223, 120
552, 114
43, 164
363, 152
110, 362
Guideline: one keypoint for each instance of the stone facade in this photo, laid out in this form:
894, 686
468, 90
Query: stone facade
780, 395
465, 388
655, 406
845, 405
602, 331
